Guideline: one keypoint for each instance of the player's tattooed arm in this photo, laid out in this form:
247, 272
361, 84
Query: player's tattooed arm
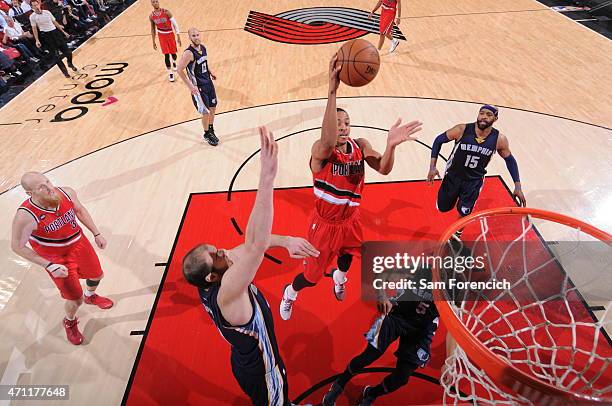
452, 134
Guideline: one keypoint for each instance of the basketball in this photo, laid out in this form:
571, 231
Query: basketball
360, 62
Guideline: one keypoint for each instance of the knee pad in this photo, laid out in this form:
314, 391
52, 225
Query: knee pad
91, 283
344, 262
300, 282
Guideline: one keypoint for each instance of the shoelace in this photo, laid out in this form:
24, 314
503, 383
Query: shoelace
288, 303
71, 323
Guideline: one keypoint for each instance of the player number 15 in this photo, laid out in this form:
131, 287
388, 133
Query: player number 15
472, 161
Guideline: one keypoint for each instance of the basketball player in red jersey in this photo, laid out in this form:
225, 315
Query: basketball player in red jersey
387, 14
48, 221
337, 165
166, 26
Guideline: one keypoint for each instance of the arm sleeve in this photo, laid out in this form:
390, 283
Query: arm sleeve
512, 168
175, 25
437, 144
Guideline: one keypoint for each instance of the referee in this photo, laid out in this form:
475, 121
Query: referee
47, 31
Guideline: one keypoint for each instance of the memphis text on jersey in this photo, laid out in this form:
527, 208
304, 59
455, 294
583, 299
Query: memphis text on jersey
476, 148
348, 169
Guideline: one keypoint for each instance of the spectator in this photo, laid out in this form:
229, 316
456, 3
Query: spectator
81, 7
21, 11
56, 7
74, 24
18, 52
3, 16
8, 66
19, 42
18, 36
3, 86
48, 32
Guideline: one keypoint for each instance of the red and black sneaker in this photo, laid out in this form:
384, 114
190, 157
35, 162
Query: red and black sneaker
72, 331
100, 301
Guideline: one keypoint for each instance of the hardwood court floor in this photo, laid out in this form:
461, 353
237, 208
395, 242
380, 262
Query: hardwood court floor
516, 54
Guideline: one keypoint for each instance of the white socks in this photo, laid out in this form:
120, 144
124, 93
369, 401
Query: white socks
339, 277
89, 293
290, 292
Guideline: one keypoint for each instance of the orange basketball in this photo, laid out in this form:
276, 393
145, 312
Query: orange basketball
360, 62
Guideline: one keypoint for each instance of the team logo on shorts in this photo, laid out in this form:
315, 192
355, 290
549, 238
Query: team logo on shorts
316, 25
465, 210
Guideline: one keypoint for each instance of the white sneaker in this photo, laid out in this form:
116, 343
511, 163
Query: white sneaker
394, 44
339, 290
171, 77
286, 305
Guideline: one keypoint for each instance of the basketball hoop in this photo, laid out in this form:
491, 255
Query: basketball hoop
536, 343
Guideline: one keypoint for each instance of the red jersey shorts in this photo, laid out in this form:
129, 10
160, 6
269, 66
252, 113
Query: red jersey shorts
332, 239
167, 43
80, 259
387, 18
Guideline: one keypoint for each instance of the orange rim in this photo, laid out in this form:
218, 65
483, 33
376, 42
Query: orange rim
496, 367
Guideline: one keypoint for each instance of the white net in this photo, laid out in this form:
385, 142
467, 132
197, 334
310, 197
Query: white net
552, 320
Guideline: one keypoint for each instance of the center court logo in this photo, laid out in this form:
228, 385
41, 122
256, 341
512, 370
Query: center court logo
315, 26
